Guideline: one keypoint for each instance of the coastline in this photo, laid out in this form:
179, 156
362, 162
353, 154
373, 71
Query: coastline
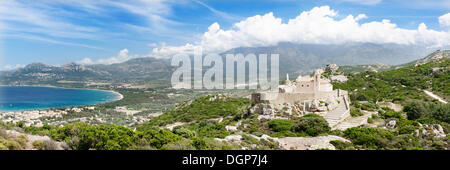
119, 97
117, 93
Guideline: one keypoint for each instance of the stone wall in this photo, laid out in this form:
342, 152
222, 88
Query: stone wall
280, 98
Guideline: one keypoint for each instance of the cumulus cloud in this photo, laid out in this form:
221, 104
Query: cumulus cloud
320, 25
444, 20
121, 57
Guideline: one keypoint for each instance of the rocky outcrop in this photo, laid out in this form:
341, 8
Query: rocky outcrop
434, 130
391, 124
339, 78
438, 131
332, 68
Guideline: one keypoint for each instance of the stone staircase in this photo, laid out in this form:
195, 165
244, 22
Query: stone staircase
353, 121
337, 115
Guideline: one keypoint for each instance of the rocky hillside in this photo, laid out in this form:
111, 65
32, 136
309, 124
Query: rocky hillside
439, 54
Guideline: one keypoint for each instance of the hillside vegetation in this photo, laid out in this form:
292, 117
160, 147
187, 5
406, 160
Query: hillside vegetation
400, 85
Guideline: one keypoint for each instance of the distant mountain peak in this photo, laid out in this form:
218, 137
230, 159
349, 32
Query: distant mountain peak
36, 65
437, 55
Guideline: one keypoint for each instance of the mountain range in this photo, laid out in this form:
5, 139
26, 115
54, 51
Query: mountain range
294, 59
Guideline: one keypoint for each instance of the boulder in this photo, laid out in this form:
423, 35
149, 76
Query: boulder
332, 68
391, 124
438, 131
267, 109
231, 128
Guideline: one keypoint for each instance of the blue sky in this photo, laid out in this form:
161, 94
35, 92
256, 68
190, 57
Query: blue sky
108, 31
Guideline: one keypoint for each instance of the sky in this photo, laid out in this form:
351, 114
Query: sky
56, 32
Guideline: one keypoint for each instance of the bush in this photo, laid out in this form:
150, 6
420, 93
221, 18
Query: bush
211, 129
369, 106
436, 111
369, 137
392, 114
414, 110
199, 143
407, 129
3, 147
311, 125
355, 112
183, 132
428, 121
13, 145
279, 125
341, 145
39, 145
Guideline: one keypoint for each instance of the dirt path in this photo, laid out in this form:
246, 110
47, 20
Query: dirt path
309, 143
435, 96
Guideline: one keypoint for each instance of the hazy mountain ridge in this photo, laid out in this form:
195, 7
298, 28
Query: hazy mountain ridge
437, 55
303, 58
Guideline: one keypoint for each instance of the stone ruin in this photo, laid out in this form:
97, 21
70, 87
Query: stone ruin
306, 94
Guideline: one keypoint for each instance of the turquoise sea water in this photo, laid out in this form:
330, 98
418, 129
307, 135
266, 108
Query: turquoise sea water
19, 98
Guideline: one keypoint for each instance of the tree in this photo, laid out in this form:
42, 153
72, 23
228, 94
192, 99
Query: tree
414, 110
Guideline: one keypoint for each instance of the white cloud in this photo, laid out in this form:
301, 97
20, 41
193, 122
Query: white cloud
121, 57
444, 20
9, 67
364, 2
166, 51
319, 26
217, 12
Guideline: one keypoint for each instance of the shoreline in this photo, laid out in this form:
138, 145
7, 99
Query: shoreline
119, 97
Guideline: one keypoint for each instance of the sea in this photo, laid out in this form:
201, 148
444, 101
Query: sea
22, 98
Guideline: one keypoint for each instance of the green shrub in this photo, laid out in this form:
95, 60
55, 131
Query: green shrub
408, 129
250, 139
199, 143
3, 147
369, 137
287, 134
12, 145
405, 142
414, 110
369, 106
438, 111
259, 134
355, 112
392, 114
279, 125
183, 132
211, 129
39, 145
312, 115
428, 120
341, 145
311, 125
